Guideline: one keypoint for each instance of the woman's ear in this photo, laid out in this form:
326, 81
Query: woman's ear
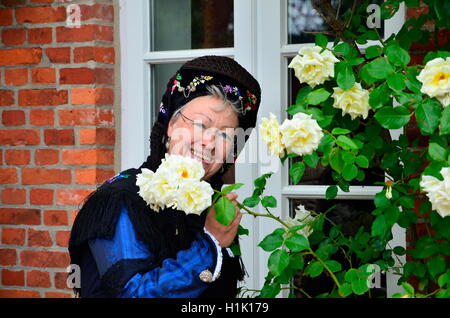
169, 128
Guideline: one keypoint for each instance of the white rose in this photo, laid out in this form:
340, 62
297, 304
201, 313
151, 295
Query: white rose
301, 134
193, 197
270, 132
156, 189
182, 168
438, 192
354, 101
302, 216
435, 79
313, 67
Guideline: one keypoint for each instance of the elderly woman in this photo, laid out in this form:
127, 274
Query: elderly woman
123, 247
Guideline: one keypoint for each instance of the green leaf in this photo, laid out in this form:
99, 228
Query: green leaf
317, 96
336, 161
397, 55
373, 51
362, 161
314, 269
331, 192
251, 201
437, 152
231, 188
379, 96
444, 126
393, 117
278, 261
225, 211
297, 243
360, 286
270, 290
321, 40
345, 290
408, 288
296, 172
350, 172
428, 114
311, 160
396, 81
272, 241
346, 143
242, 230
345, 77
333, 266
340, 131
436, 266
379, 226
326, 144
302, 94
342, 49
379, 68
269, 202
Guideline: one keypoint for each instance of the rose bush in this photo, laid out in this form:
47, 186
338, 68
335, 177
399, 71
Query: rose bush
341, 120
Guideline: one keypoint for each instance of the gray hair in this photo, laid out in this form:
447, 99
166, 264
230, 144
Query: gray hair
219, 92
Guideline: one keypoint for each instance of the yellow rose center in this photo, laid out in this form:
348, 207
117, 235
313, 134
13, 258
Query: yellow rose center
440, 77
185, 173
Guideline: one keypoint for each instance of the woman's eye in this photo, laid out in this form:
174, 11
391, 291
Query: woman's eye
199, 125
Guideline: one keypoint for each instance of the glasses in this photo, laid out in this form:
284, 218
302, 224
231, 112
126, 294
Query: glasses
225, 135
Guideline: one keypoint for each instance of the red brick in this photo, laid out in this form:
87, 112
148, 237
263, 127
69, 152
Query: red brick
8, 256
41, 196
8, 176
44, 157
13, 36
93, 176
18, 76
45, 1
61, 280
88, 156
17, 157
92, 96
104, 136
20, 56
6, 17
13, 278
40, 36
104, 76
55, 218
13, 236
13, 3
45, 176
90, 32
9, 293
94, 53
13, 118
74, 214
82, 75
14, 196
58, 295
38, 279
42, 97
42, 117
20, 216
44, 259
43, 75
97, 11
19, 137
86, 117
40, 14
71, 196
59, 137
39, 238
6, 98
58, 55
62, 238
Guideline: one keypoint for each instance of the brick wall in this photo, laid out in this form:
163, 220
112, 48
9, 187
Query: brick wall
57, 132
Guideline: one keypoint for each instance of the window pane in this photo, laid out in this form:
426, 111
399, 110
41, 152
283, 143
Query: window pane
191, 24
322, 175
303, 18
351, 215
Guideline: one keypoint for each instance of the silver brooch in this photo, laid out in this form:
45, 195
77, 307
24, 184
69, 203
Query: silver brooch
206, 276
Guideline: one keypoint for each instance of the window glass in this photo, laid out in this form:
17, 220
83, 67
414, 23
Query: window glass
191, 24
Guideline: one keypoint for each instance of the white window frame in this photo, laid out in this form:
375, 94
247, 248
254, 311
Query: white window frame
260, 31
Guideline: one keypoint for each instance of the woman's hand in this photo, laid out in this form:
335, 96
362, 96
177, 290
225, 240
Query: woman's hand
224, 234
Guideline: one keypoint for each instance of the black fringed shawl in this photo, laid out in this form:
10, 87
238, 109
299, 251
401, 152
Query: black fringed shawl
98, 218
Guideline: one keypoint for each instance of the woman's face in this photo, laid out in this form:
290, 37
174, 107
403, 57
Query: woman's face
203, 130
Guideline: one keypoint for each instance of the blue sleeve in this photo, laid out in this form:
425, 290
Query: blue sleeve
179, 277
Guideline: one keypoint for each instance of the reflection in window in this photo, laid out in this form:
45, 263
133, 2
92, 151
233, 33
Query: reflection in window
354, 217
194, 24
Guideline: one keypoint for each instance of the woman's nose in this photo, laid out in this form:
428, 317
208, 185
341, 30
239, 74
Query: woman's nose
208, 138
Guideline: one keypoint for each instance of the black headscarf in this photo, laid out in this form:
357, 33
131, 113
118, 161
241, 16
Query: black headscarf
167, 231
